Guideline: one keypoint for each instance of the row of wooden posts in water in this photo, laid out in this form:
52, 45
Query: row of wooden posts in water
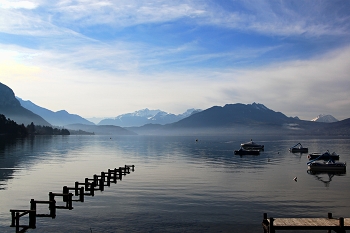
81, 189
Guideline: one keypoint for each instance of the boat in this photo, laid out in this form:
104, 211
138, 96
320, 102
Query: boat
242, 151
252, 146
298, 148
323, 156
330, 165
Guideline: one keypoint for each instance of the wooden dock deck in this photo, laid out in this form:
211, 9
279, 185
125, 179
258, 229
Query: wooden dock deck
339, 225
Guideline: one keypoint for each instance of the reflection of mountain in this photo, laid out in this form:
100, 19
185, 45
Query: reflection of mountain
7, 163
20, 154
101, 129
325, 177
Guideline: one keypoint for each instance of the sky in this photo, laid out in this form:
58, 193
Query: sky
104, 58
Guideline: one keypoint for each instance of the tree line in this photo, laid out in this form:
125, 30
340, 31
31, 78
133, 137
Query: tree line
10, 128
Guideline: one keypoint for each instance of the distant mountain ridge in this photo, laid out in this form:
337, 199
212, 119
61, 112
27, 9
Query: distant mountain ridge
11, 108
146, 116
59, 118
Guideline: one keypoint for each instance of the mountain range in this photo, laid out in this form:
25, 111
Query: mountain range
59, 118
147, 116
230, 119
11, 108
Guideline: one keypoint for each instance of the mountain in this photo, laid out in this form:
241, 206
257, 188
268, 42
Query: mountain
11, 108
231, 118
325, 118
146, 116
100, 129
59, 118
239, 118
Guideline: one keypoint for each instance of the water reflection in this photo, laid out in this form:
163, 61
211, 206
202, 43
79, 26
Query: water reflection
324, 176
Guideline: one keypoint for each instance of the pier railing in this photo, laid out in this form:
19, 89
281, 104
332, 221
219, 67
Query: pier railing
80, 189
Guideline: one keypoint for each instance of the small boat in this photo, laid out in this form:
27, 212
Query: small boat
252, 146
330, 165
323, 156
298, 148
247, 152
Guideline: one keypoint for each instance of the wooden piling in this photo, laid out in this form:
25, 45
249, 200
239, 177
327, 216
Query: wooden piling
79, 189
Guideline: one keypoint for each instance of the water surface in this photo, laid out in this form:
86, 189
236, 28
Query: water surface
179, 184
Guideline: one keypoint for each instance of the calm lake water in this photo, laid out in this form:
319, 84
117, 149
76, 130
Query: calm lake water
179, 184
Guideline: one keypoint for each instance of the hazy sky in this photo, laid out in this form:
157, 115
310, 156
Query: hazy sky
103, 58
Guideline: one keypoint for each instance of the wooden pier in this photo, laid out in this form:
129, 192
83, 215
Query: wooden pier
339, 225
80, 189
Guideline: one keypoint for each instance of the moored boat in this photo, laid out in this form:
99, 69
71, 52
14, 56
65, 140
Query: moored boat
330, 165
247, 152
298, 148
252, 146
324, 156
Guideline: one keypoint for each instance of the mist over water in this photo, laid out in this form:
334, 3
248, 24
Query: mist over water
180, 184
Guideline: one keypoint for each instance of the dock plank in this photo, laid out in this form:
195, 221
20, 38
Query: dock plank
329, 223
305, 222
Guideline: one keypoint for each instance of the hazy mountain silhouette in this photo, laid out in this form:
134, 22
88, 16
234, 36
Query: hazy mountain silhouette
59, 118
101, 129
146, 116
11, 108
242, 119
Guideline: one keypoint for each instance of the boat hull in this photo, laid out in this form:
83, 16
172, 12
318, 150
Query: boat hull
336, 167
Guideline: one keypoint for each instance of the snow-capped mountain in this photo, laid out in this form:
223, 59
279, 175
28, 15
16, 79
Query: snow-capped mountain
146, 116
325, 118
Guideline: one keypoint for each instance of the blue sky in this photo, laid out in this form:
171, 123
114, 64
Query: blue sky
105, 58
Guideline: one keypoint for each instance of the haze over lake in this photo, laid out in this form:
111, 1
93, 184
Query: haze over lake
179, 184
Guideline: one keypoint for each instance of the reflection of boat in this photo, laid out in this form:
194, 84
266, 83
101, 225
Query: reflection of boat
325, 156
247, 152
330, 165
298, 148
252, 146
322, 175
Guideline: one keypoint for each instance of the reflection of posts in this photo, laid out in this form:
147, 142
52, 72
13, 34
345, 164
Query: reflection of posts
67, 197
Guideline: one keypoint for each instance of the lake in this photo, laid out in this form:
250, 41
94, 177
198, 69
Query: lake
180, 184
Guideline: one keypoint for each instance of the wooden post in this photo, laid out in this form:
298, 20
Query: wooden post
272, 230
65, 191
92, 190
330, 215
69, 201
86, 184
17, 222
32, 214
109, 176
265, 223
52, 205
102, 181
13, 218
76, 188
81, 194
96, 180
341, 225
120, 173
